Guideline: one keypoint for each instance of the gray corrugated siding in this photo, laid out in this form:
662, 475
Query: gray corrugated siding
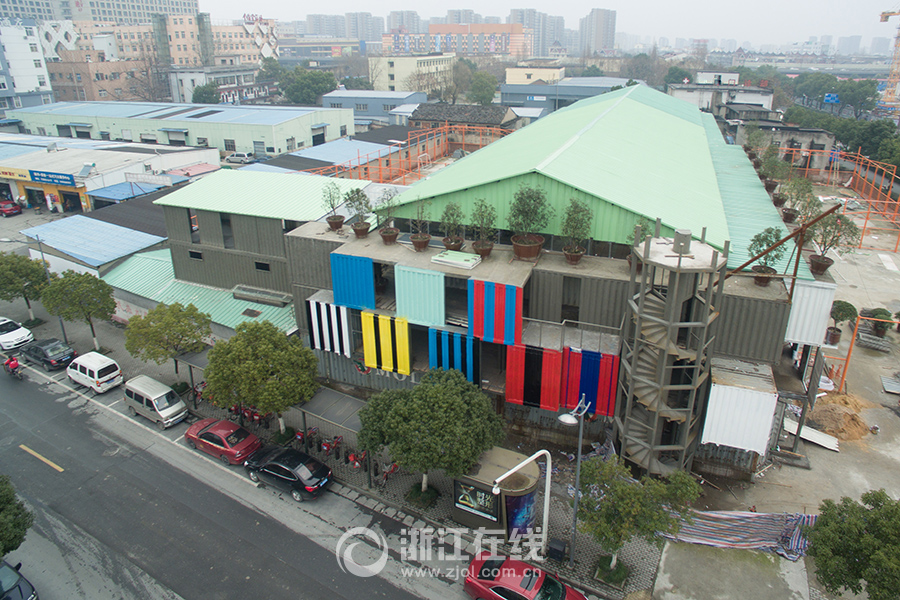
178, 224
300, 294
603, 301
751, 329
336, 367
223, 268
544, 291
210, 226
257, 235
310, 262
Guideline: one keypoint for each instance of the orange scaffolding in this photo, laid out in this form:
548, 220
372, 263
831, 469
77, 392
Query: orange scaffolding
403, 162
837, 366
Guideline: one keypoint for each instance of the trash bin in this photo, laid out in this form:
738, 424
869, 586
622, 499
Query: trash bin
557, 549
37, 209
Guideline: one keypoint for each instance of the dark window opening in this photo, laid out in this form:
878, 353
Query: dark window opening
384, 286
227, 233
195, 255
456, 301
493, 367
261, 266
571, 298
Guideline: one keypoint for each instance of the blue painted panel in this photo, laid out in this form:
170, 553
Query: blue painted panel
353, 280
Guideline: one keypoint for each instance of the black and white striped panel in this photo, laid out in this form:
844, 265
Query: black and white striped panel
329, 327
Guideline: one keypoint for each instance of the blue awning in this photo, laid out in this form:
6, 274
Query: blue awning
174, 129
320, 125
79, 125
10, 121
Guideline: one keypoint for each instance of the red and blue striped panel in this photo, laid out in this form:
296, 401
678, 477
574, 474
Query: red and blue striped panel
533, 377
593, 374
495, 312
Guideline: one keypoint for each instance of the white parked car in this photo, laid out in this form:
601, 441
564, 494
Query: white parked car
240, 157
13, 335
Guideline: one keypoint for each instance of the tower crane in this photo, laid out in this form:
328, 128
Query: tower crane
890, 100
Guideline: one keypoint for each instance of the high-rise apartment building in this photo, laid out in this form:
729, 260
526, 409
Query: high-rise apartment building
881, 46
24, 80
363, 26
546, 30
598, 31
408, 20
326, 25
848, 46
463, 17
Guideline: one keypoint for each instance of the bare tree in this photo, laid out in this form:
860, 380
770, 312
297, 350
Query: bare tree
151, 79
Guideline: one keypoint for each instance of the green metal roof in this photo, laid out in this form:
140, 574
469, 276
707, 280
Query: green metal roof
289, 196
150, 275
635, 151
747, 205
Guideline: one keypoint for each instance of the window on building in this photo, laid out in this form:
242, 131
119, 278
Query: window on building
390, 77
343, 130
41, 131
29, 32
362, 107
17, 102
202, 142
77, 76
261, 266
388, 107
46, 99
42, 81
4, 103
390, 64
229, 145
33, 47
227, 232
195, 255
101, 93
37, 63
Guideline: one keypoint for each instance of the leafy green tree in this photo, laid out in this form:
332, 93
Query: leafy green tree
206, 94
482, 89
21, 277
80, 297
861, 95
167, 331
15, 519
591, 71
677, 75
261, 367
615, 508
271, 70
461, 79
469, 63
357, 83
301, 86
856, 545
445, 422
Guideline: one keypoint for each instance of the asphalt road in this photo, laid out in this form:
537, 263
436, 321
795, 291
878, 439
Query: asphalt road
127, 513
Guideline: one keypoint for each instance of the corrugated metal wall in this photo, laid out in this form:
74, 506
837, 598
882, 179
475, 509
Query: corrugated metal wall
810, 312
603, 301
258, 235
300, 294
178, 224
544, 291
420, 295
339, 368
751, 328
210, 225
226, 268
310, 261
353, 281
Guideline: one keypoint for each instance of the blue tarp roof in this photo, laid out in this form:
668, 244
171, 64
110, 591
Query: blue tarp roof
123, 191
91, 241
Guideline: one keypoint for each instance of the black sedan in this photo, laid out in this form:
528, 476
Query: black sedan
289, 470
51, 354
12, 585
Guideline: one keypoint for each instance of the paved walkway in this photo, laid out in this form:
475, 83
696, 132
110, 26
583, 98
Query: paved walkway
650, 576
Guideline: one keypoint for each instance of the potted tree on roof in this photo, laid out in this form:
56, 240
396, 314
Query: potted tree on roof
331, 200
361, 207
420, 236
834, 232
576, 227
800, 200
529, 213
884, 322
483, 218
841, 311
387, 205
761, 242
451, 224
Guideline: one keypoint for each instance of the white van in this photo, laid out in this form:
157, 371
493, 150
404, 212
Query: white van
158, 402
93, 370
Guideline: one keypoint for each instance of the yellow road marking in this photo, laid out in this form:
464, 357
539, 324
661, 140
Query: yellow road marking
41, 458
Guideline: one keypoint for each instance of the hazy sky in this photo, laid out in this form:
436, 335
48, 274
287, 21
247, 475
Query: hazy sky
760, 22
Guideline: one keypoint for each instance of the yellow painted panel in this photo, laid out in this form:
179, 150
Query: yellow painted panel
368, 330
402, 342
384, 328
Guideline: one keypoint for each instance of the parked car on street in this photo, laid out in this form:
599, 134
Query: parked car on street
13, 585
8, 208
13, 335
96, 371
240, 157
51, 354
289, 470
156, 401
492, 577
226, 440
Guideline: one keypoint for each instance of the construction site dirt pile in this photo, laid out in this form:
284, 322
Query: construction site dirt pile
837, 415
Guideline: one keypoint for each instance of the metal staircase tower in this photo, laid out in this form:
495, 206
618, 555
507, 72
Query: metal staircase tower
666, 337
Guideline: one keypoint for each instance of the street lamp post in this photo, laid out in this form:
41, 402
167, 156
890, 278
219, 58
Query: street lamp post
532, 458
47, 273
571, 418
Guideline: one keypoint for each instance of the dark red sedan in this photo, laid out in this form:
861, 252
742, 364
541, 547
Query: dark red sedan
8, 208
227, 441
493, 577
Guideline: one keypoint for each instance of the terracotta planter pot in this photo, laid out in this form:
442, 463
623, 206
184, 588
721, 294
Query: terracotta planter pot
528, 248
832, 336
389, 235
778, 200
819, 264
879, 332
770, 184
640, 264
757, 163
335, 222
573, 255
762, 278
361, 229
751, 154
454, 243
789, 215
483, 249
420, 241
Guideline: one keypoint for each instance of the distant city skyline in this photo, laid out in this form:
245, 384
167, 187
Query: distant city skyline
764, 22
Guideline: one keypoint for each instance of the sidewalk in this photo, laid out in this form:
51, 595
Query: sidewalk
678, 571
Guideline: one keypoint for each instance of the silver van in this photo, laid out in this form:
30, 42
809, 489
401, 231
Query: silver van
158, 402
96, 371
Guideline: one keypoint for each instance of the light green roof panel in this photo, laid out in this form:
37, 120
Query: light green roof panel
635, 148
747, 205
150, 275
289, 196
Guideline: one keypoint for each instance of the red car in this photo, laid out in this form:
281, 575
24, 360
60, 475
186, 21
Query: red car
8, 208
502, 578
227, 441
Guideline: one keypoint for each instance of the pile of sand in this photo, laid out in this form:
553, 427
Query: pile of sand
836, 414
